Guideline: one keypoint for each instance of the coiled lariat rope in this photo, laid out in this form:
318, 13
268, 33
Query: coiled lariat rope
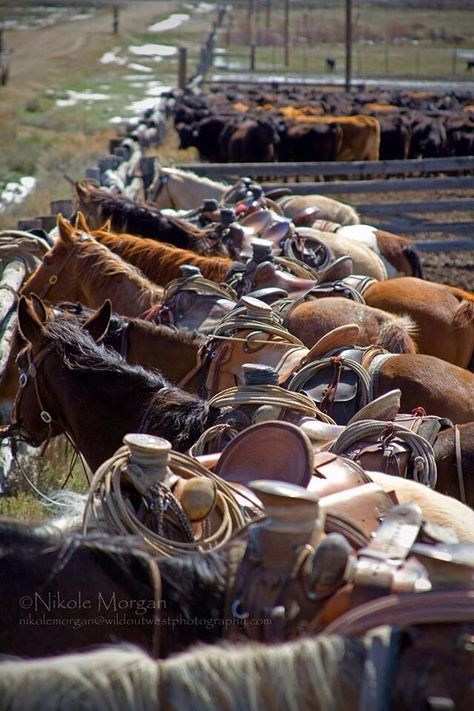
257, 395
424, 463
109, 506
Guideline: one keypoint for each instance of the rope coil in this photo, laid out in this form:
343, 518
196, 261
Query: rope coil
425, 470
109, 506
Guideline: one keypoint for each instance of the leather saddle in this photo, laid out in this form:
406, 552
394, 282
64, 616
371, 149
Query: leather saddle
194, 303
336, 375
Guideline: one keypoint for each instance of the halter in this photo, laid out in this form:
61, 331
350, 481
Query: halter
163, 182
54, 278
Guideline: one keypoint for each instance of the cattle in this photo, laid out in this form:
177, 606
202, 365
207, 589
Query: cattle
395, 138
250, 141
309, 142
428, 138
204, 135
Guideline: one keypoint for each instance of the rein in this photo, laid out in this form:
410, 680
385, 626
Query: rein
459, 470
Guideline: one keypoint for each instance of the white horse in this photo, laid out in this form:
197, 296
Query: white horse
182, 189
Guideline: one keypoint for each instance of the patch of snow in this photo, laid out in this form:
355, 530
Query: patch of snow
170, 23
140, 68
153, 50
112, 57
75, 96
205, 7
14, 193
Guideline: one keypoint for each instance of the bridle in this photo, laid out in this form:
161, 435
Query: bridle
31, 373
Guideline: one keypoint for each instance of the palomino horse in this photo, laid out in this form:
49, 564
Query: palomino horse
92, 393
77, 268
398, 253
182, 189
124, 215
318, 207
314, 674
443, 315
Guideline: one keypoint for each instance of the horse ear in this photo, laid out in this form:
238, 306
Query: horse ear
66, 231
38, 307
98, 323
81, 222
28, 322
107, 226
82, 190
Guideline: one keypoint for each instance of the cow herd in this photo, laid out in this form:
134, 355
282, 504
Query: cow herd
305, 124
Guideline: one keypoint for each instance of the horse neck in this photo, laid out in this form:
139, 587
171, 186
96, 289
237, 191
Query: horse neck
174, 357
130, 295
192, 188
98, 417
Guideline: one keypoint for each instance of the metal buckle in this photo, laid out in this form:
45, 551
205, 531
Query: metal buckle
22, 380
53, 279
46, 417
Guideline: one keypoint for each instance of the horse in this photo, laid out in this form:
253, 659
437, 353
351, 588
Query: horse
78, 268
323, 673
99, 589
182, 189
92, 394
320, 207
365, 260
125, 215
398, 253
161, 263
444, 315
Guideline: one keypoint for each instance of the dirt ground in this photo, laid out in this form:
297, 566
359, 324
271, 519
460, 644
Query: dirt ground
39, 52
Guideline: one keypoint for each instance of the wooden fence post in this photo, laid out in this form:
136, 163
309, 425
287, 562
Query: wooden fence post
182, 67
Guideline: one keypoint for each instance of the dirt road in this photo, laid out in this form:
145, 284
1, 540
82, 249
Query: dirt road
51, 51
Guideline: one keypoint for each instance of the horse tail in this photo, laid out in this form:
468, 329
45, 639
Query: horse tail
396, 335
464, 314
413, 259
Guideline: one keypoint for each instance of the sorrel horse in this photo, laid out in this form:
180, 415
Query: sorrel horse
161, 262
91, 393
125, 215
444, 315
77, 268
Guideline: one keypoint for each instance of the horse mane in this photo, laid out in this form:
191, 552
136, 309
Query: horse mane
97, 263
161, 262
80, 353
322, 673
143, 219
203, 179
118, 322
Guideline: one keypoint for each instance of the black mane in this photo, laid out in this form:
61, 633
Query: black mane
79, 352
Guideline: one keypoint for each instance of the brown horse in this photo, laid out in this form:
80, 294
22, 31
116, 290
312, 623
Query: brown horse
91, 393
312, 319
77, 268
444, 315
160, 262
145, 220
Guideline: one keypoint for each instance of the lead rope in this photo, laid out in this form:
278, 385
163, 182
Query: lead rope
458, 451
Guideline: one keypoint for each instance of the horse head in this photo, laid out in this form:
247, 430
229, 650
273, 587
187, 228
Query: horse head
34, 408
58, 266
